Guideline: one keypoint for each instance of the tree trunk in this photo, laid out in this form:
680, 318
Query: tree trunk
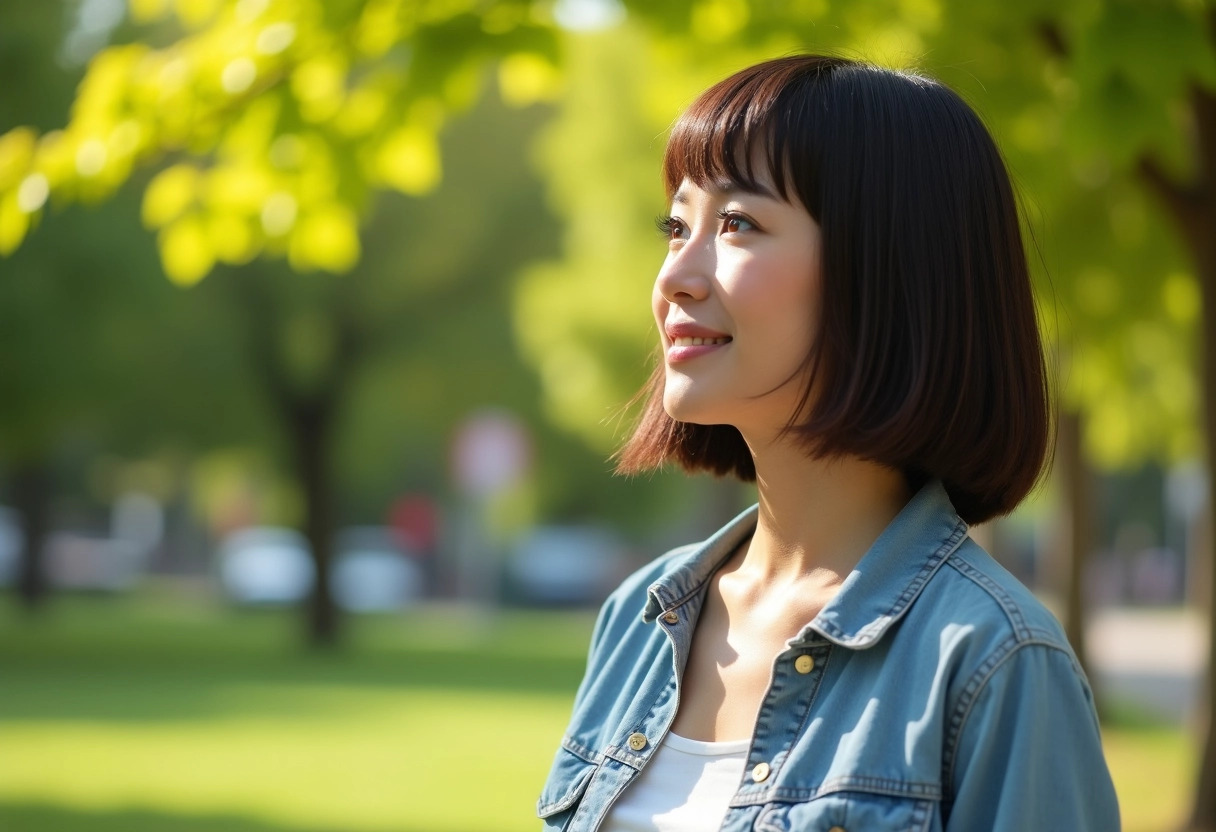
1192, 206
1078, 499
306, 411
312, 446
1203, 813
1203, 810
32, 499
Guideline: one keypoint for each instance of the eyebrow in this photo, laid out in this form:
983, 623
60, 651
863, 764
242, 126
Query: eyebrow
726, 187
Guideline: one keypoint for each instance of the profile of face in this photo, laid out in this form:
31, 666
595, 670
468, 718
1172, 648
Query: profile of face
845, 272
736, 303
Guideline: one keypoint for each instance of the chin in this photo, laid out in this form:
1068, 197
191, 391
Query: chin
676, 408
685, 408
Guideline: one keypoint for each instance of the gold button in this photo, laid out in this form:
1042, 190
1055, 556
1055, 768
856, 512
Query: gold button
837, 829
760, 772
671, 618
637, 741
804, 664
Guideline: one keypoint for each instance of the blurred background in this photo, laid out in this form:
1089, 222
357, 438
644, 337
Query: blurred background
317, 321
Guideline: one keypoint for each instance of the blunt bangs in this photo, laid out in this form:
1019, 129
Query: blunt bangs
927, 357
755, 115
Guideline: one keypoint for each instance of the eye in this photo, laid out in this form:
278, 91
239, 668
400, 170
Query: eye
671, 228
733, 223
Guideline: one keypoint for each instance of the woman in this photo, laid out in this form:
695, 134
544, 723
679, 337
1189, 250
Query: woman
845, 318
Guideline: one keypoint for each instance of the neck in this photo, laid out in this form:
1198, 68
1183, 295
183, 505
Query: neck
818, 517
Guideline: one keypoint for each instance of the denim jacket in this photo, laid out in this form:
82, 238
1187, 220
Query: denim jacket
938, 695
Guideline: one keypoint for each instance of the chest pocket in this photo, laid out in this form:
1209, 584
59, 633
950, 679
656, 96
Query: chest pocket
565, 787
850, 812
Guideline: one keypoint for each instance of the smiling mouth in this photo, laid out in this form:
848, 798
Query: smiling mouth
699, 342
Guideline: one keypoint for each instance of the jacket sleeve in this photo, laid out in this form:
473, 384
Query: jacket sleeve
1029, 752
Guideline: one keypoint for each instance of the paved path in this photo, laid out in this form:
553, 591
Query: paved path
1152, 658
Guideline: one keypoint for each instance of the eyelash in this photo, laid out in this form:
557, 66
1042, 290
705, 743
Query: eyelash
666, 224
726, 216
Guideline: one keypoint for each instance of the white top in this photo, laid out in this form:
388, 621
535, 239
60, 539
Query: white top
686, 787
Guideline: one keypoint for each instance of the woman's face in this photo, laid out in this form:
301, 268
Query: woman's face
737, 304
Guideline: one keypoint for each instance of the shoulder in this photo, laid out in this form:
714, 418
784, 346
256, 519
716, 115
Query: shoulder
983, 628
1022, 722
994, 637
974, 590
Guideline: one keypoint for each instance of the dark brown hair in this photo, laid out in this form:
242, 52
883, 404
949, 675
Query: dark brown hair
928, 357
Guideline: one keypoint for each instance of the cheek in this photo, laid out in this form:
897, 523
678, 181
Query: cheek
784, 313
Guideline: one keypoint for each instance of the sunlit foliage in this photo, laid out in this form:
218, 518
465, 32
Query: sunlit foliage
272, 121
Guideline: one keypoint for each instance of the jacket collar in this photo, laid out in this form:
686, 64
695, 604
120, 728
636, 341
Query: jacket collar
876, 594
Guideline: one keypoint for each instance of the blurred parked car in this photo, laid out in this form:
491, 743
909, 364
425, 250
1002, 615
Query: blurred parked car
266, 565
270, 565
73, 560
565, 565
374, 572
79, 561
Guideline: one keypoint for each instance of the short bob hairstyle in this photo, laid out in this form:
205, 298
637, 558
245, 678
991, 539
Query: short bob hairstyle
927, 356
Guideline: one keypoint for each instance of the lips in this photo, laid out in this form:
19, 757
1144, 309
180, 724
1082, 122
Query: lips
688, 340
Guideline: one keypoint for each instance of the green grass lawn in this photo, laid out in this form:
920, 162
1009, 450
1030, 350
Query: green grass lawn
164, 714
1154, 769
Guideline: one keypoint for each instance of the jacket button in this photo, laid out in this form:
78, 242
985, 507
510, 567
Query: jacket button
637, 741
837, 829
671, 618
804, 664
760, 772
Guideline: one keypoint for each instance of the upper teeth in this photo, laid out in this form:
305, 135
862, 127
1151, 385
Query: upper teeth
696, 342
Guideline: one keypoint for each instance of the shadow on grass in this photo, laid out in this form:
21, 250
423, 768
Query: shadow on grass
172, 691
1132, 717
35, 817
93, 660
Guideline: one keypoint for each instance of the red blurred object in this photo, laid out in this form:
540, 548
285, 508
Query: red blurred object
414, 519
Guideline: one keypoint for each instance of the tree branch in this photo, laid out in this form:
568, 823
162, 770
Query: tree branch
1184, 202
261, 324
1050, 35
1203, 107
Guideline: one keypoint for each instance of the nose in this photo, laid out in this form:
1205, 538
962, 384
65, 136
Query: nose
686, 274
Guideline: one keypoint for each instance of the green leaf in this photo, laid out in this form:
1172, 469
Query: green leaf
408, 160
186, 251
327, 237
169, 194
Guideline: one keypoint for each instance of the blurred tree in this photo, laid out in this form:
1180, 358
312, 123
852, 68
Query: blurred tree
269, 124
29, 36
438, 268
92, 345
1144, 105
409, 341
